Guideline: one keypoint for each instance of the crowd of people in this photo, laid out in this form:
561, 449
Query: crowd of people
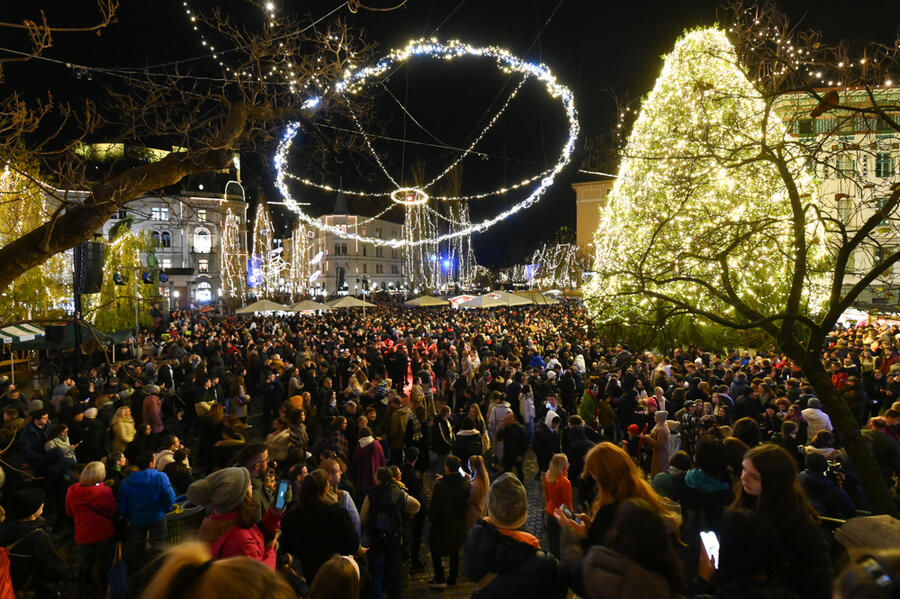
326, 456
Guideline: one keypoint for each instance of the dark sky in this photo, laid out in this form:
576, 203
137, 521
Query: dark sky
593, 46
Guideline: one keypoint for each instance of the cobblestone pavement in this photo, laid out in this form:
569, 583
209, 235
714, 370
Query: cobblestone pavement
417, 583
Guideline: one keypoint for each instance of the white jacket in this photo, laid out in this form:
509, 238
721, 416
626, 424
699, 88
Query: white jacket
817, 420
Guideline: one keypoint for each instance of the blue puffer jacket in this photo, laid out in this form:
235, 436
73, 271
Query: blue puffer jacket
146, 497
521, 570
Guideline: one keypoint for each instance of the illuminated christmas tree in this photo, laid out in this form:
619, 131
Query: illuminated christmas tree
45, 290
268, 270
233, 259
699, 220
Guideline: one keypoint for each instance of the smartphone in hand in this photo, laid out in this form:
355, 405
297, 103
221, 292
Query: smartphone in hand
282, 492
710, 542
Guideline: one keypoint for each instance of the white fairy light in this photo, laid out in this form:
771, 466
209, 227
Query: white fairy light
355, 82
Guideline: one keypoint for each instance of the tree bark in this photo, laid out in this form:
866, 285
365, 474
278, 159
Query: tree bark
880, 499
81, 221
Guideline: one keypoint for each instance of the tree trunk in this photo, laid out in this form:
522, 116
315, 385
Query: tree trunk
845, 424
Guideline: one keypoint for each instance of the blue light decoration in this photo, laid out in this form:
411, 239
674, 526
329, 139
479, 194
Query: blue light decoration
254, 271
447, 263
433, 257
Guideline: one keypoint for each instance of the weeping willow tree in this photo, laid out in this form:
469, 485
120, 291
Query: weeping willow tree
44, 290
717, 217
113, 308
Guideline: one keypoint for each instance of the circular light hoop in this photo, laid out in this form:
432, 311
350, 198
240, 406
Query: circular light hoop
409, 196
356, 81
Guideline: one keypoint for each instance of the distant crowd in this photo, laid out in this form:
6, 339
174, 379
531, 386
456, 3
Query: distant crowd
330, 455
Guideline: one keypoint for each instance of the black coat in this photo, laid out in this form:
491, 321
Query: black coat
546, 443
39, 568
447, 511
515, 442
314, 535
522, 570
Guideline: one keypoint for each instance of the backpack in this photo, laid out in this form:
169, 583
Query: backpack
6, 586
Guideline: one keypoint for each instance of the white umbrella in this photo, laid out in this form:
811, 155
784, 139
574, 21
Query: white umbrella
427, 300
510, 299
538, 298
262, 306
349, 302
306, 305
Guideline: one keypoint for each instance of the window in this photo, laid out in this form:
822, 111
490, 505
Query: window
122, 213
202, 241
878, 255
365, 268
879, 205
165, 263
393, 252
379, 269
884, 165
203, 265
201, 215
343, 249
365, 251
881, 125
393, 233
204, 292
806, 127
845, 208
337, 249
378, 232
379, 252
166, 239
845, 167
394, 269
159, 213
154, 239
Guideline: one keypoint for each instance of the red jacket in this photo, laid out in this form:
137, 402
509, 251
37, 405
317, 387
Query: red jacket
247, 542
95, 523
557, 493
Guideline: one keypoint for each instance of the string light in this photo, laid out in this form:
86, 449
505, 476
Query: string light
233, 258
355, 82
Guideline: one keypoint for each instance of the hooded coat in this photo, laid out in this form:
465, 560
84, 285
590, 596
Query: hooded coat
367, 458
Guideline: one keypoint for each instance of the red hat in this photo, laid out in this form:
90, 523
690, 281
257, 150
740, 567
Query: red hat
634, 429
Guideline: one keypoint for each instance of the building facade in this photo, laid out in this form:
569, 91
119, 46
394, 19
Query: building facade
590, 197
348, 266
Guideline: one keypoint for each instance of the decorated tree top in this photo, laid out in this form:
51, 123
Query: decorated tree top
699, 220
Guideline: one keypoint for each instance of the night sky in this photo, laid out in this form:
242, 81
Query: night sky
596, 48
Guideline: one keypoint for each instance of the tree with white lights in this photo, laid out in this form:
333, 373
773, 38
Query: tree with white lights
718, 215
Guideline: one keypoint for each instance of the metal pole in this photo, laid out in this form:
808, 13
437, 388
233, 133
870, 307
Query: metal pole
134, 346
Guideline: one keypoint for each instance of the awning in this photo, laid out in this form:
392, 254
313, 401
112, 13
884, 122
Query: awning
16, 333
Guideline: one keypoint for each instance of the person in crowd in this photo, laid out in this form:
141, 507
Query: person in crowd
416, 489
382, 515
885, 449
447, 512
189, 571
144, 499
231, 528
547, 441
816, 419
337, 494
314, 528
824, 493
179, 471
769, 486
557, 492
870, 574
515, 443
658, 440
123, 429
338, 578
468, 440
93, 507
34, 437
478, 491
255, 458
368, 456
679, 463
505, 561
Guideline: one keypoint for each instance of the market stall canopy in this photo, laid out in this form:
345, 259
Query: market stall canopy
18, 333
262, 306
483, 301
459, 299
510, 299
67, 337
349, 302
306, 305
428, 300
538, 298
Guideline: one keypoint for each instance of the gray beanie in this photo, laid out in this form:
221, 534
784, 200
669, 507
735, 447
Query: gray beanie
223, 490
507, 503
815, 404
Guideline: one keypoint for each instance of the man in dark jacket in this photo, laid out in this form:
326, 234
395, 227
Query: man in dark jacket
547, 441
447, 511
34, 564
515, 444
416, 490
504, 561
33, 437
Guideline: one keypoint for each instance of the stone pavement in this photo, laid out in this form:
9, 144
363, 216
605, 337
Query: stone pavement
417, 583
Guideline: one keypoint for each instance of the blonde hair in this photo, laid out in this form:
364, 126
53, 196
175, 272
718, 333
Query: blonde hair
558, 463
479, 471
93, 473
189, 572
338, 578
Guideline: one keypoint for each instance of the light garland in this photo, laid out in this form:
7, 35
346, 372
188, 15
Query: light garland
233, 258
355, 82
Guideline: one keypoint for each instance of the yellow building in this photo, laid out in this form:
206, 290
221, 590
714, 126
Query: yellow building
590, 197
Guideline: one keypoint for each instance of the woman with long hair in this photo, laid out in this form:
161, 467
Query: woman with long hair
189, 571
617, 478
238, 399
557, 492
315, 528
481, 482
769, 487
